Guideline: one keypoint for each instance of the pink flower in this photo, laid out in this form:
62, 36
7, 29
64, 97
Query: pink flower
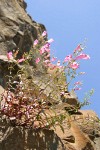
74, 65
36, 42
47, 45
82, 56
77, 89
9, 55
21, 60
37, 60
42, 50
45, 48
78, 83
53, 59
50, 40
78, 48
44, 33
68, 58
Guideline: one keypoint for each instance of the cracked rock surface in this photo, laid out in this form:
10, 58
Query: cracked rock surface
17, 29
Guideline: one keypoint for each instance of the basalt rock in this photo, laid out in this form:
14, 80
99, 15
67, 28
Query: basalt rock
81, 132
17, 29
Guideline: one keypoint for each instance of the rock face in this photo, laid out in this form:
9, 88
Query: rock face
81, 132
81, 128
17, 30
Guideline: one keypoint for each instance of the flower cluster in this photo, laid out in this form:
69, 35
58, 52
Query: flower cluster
23, 107
77, 55
12, 56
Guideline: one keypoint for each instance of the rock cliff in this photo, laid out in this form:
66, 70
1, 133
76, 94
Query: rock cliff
81, 128
17, 30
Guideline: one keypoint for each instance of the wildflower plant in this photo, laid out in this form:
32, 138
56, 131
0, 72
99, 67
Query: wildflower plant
24, 102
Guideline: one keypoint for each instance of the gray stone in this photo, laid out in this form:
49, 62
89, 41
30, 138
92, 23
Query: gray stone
17, 30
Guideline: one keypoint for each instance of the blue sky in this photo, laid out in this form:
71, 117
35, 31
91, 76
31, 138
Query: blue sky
69, 23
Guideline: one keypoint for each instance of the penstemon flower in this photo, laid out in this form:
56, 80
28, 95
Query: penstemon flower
42, 50
68, 58
21, 60
37, 60
45, 48
78, 83
82, 56
35, 42
53, 59
9, 55
78, 48
74, 65
77, 89
44, 33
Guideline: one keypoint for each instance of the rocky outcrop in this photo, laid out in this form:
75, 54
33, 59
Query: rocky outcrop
81, 132
17, 30
81, 128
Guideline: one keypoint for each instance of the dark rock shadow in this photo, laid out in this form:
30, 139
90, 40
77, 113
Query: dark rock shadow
19, 138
